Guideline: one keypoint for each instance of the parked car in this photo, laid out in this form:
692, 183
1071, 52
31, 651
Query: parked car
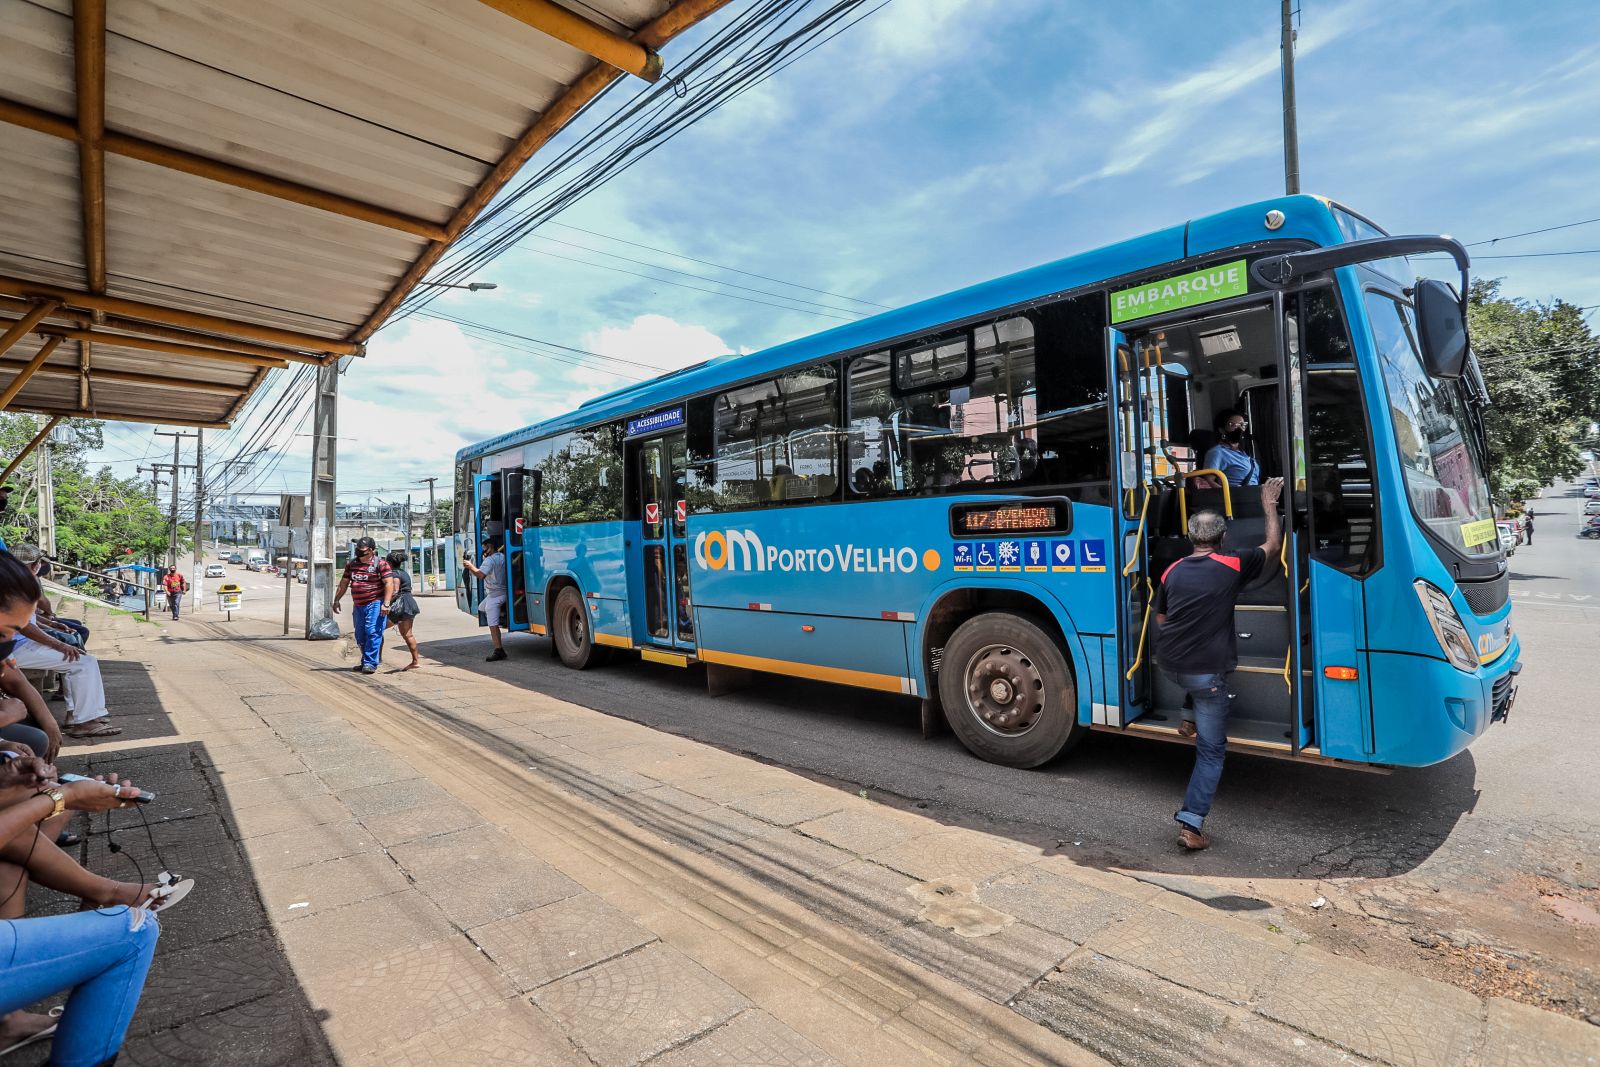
1508, 537
1590, 528
1591, 507
216, 570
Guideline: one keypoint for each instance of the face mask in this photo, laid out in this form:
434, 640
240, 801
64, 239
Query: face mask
1233, 437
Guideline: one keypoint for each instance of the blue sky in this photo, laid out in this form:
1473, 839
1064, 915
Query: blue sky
942, 142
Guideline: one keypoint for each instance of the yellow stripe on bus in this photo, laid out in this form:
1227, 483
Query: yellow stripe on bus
889, 683
613, 640
671, 659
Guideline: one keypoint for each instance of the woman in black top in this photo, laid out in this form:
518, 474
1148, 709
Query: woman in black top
403, 608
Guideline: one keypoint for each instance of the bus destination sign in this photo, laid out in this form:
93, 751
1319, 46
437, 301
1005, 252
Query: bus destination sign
975, 520
670, 419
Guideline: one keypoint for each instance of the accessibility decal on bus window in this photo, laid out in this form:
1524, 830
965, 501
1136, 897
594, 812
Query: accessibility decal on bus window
1186, 290
660, 420
1476, 533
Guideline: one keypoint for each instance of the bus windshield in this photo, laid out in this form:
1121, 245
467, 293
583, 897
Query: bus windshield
1444, 467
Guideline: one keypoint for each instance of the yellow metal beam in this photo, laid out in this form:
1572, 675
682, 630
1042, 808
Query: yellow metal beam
139, 309
102, 416
676, 20
89, 58
568, 26
28, 371
121, 144
27, 450
19, 328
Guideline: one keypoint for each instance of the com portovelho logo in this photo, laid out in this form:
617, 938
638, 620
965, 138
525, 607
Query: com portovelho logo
743, 550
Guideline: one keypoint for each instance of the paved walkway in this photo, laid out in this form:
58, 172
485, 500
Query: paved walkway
440, 865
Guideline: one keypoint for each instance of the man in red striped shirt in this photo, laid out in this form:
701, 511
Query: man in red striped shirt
372, 584
1197, 648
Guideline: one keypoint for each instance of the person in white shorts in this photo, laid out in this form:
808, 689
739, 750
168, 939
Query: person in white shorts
492, 569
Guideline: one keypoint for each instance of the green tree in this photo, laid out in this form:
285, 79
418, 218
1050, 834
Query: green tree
99, 517
1541, 364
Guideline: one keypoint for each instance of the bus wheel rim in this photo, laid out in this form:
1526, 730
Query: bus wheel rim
575, 627
1004, 689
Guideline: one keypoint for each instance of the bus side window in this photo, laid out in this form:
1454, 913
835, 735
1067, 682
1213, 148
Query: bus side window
777, 441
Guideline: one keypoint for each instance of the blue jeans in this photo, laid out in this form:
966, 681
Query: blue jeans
369, 626
175, 600
96, 954
1211, 706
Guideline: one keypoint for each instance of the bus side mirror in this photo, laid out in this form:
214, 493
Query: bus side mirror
1441, 329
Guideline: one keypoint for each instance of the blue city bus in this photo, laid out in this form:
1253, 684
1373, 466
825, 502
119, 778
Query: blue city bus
969, 500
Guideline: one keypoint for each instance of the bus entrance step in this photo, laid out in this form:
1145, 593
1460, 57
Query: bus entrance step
670, 657
1242, 729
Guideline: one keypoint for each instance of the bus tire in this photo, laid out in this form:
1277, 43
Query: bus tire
1008, 692
571, 633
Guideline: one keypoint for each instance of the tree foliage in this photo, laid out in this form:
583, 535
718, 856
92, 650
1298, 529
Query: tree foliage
99, 516
1541, 363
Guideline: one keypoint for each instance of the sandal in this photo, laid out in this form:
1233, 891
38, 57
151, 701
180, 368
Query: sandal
66, 839
97, 728
47, 1032
170, 889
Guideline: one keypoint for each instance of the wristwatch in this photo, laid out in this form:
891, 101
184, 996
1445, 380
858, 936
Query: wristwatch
58, 798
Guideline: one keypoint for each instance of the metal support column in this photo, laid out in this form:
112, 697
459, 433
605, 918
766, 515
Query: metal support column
320, 577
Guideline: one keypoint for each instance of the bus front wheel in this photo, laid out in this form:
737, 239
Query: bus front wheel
1007, 690
573, 638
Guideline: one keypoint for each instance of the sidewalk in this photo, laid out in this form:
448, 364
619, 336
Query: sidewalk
460, 868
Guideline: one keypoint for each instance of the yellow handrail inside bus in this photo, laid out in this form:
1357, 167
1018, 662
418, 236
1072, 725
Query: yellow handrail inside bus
1144, 627
1283, 556
1138, 540
1183, 494
1288, 658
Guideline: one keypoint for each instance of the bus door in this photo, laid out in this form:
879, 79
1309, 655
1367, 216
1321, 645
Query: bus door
1126, 679
662, 465
518, 489
488, 519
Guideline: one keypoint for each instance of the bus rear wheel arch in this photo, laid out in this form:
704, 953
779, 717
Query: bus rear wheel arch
1008, 690
570, 630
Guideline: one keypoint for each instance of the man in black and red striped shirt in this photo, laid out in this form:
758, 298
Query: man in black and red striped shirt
371, 583
1197, 647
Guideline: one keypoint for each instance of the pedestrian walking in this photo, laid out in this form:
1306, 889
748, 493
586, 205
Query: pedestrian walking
1197, 647
175, 585
403, 609
1527, 526
371, 588
492, 569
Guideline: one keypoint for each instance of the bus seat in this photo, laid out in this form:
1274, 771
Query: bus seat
778, 487
827, 486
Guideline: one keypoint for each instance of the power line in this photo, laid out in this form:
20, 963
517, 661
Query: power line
719, 266
1530, 233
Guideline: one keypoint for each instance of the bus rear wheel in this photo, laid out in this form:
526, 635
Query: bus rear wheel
570, 630
1008, 692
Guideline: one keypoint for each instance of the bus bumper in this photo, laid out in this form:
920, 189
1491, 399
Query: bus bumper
1432, 710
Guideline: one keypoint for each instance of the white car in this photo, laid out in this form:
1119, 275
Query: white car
216, 570
1591, 507
1508, 537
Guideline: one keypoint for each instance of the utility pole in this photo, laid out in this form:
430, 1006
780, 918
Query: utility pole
44, 485
177, 442
1291, 133
198, 580
433, 534
408, 531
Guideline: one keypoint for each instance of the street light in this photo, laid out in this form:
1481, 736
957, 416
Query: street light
472, 286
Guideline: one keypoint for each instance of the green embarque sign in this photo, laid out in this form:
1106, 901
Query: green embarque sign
1186, 290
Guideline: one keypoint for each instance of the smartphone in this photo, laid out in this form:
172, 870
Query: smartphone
141, 797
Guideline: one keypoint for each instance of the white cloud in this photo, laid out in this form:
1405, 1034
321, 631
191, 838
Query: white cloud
657, 341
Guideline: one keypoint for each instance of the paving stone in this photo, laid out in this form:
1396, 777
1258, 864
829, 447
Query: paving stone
484, 894
209, 978
372, 770
1230, 962
383, 999
636, 1005
1248, 1040
861, 895
212, 752
790, 807
1129, 1017
752, 1039
997, 966
861, 830
294, 813
274, 1031
390, 797
513, 1033
1519, 1035
713, 828
234, 772
460, 850
952, 853
222, 904
539, 946
733, 784
1384, 1015
784, 857
329, 884
366, 930
1052, 902
287, 849
420, 822
272, 790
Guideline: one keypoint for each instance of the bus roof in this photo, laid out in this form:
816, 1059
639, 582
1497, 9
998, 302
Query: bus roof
1307, 218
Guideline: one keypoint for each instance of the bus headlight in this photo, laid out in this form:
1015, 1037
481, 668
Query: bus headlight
1447, 626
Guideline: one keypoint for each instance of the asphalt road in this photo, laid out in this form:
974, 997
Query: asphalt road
1488, 848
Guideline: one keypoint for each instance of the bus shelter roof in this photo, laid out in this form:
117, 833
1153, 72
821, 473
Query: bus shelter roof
196, 192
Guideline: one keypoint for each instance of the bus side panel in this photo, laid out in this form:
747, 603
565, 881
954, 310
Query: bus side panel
860, 652
589, 553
